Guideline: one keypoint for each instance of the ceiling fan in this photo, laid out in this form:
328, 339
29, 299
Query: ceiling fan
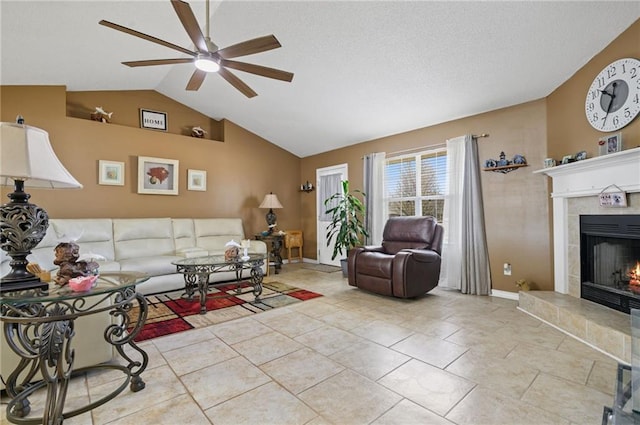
207, 57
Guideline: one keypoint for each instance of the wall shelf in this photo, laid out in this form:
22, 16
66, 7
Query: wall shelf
505, 168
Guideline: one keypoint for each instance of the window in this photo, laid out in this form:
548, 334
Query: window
415, 184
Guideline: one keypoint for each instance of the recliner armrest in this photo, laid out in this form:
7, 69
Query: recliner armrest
372, 248
423, 255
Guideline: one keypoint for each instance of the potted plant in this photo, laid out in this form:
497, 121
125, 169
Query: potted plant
346, 226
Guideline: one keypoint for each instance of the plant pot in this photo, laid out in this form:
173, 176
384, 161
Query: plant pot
343, 264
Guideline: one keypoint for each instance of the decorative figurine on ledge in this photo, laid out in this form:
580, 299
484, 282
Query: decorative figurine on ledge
198, 132
67, 254
101, 115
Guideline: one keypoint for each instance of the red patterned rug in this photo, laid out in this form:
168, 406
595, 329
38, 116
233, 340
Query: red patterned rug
170, 313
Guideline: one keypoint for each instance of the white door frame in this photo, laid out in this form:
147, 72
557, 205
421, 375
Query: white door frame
324, 251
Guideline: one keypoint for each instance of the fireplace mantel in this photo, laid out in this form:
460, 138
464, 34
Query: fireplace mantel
588, 177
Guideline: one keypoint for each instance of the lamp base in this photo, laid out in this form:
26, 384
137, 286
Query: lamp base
11, 285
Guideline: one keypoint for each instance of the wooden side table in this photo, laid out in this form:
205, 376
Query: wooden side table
274, 247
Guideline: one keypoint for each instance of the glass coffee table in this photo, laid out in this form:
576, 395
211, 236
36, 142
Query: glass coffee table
197, 270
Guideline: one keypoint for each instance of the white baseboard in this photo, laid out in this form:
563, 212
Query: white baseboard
505, 294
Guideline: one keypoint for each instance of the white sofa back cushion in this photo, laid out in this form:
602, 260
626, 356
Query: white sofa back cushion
213, 234
142, 237
183, 235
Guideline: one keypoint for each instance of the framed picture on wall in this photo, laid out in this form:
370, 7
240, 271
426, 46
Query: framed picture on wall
157, 176
153, 120
197, 180
111, 173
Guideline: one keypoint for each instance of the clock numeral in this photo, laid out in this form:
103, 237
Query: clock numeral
634, 72
616, 120
636, 99
595, 117
600, 81
627, 113
590, 107
611, 72
594, 94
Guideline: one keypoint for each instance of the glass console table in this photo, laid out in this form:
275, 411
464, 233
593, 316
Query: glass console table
626, 403
39, 327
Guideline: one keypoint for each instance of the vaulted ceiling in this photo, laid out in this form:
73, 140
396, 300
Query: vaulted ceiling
363, 69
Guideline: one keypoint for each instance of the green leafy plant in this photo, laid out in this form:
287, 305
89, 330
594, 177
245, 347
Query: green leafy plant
346, 225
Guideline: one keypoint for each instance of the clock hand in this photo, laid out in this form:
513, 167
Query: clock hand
612, 96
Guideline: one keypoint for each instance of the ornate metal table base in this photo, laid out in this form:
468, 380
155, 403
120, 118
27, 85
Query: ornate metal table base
41, 333
197, 270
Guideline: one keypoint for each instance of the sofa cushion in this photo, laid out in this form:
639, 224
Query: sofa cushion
154, 266
183, 234
142, 237
213, 233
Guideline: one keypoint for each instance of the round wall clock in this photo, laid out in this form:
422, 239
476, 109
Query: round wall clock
613, 100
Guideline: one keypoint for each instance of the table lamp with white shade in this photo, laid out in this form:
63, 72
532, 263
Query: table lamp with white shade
270, 201
26, 160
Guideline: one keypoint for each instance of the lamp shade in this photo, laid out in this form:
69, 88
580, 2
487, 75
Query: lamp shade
270, 201
26, 154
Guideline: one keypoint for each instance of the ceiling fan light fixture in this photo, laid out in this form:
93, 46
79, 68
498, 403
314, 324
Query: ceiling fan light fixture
207, 64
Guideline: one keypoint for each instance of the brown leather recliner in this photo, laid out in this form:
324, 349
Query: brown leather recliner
406, 265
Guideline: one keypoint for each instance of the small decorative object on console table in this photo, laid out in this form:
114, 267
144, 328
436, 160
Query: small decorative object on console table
271, 201
101, 115
198, 132
26, 159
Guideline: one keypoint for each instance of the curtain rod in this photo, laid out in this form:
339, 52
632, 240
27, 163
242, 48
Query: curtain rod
439, 145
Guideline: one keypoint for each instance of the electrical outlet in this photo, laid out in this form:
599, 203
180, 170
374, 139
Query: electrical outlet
507, 269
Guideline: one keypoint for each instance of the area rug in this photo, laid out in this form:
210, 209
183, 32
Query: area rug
326, 268
170, 313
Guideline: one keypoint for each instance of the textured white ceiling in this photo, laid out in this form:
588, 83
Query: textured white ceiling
363, 69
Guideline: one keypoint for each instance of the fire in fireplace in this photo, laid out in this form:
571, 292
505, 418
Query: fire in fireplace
610, 260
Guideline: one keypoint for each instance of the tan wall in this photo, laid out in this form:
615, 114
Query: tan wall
240, 170
517, 207
569, 131
516, 204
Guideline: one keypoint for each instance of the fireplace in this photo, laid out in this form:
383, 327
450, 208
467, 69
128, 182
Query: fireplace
610, 260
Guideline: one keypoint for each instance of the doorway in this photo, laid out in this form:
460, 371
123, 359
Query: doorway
328, 182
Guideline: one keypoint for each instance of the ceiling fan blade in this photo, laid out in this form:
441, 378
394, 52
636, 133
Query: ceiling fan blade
249, 47
263, 71
190, 24
153, 62
237, 83
146, 37
196, 80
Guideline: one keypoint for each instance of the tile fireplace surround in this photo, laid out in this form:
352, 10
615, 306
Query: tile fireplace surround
576, 187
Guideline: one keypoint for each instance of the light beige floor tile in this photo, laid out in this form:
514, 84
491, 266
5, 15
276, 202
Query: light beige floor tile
603, 377
319, 420
347, 319
349, 398
328, 340
544, 335
563, 365
573, 346
301, 369
269, 404
381, 332
483, 339
430, 387
430, 327
197, 356
267, 347
485, 407
161, 385
222, 381
571, 401
293, 323
179, 410
506, 376
239, 330
432, 350
182, 339
370, 359
409, 413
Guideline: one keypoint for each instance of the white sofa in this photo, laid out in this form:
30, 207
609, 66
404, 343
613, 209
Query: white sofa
143, 244
129, 244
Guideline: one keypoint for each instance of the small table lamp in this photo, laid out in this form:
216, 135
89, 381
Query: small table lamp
26, 159
270, 201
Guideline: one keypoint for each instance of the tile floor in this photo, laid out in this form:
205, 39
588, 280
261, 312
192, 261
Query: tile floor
352, 357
